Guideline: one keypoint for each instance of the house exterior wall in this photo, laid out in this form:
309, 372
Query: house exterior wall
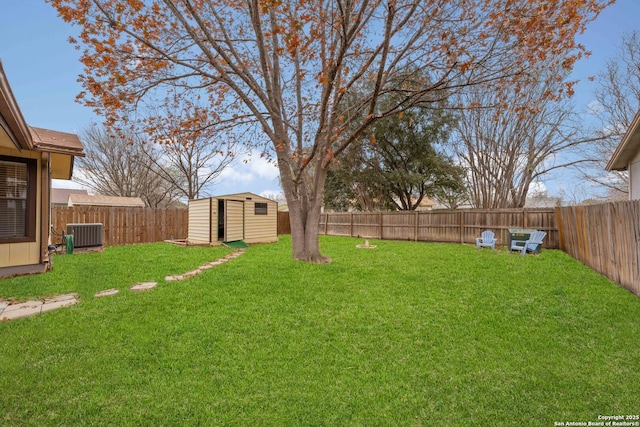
5, 142
25, 253
61, 166
634, 177
199, 221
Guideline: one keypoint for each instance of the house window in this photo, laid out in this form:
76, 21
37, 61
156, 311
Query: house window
17, 199
260, 208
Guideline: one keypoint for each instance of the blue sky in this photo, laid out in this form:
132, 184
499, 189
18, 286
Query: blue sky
42, 68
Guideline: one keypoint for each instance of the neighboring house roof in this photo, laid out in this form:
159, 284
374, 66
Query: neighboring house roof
95, 200
629, 146
427, 203
60, 196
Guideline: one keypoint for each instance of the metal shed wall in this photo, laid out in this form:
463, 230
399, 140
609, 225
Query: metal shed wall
260, 228
199, 231
234, 220
240, 223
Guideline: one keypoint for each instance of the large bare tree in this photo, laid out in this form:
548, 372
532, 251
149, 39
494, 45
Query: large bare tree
122, 165
288, 66
506, 148
617, 99
191, 157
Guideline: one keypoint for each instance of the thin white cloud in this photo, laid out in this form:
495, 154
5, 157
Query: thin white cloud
235, 175
537, 188
253, 169
63, 183
272, 194
262, 167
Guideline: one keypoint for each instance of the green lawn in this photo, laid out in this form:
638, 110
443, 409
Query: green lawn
405, 334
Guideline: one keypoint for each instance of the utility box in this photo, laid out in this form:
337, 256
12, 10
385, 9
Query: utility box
86, 235
519, 235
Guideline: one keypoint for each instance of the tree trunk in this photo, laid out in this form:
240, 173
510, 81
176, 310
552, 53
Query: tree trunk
305, 201
305, 227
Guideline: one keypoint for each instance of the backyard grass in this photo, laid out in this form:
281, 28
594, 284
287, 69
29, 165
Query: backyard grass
404, 334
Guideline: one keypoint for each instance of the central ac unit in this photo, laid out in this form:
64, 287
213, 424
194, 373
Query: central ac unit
86, 235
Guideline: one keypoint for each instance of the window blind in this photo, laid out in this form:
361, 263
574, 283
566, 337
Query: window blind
14, 183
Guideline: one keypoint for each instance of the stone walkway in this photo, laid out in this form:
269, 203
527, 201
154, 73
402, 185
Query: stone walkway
10, 310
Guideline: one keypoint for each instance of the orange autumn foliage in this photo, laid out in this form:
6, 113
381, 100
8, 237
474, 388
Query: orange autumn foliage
311, 75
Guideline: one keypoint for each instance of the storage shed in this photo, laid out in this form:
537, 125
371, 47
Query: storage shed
243, 216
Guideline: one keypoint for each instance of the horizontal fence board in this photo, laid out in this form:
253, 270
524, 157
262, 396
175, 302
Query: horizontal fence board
284, 226
125, 226
604, 237
455, 226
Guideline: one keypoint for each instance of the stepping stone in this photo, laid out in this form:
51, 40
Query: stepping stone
48, 306
204, 267
23, 309
31, 308
144, 286
58, 298
108, 292
190, 274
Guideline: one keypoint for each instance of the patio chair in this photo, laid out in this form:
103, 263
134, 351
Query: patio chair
534, 244
486, 240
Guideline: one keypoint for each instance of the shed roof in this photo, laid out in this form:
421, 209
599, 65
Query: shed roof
245, 196
97, 200
629, 146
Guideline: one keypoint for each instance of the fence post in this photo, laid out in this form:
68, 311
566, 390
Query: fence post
392, 225
125, 225
560, 228
326, 223
350, 224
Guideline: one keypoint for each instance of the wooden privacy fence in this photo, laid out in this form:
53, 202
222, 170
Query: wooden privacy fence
284, 226
605, 237
456, 226
124, 226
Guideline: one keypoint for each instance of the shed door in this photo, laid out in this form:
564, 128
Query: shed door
234, 220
